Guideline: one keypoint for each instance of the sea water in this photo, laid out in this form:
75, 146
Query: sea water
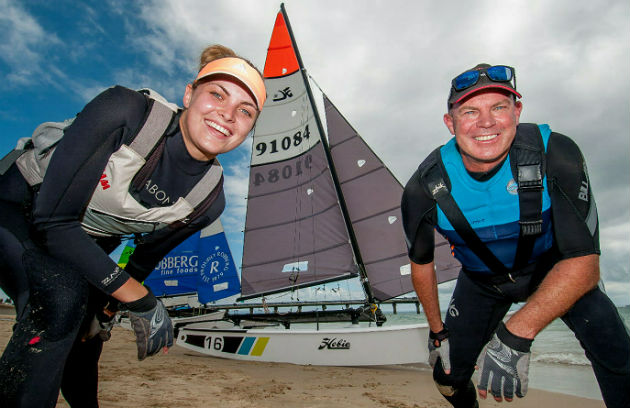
557, 362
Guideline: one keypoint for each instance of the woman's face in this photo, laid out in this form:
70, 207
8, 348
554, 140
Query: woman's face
219, 114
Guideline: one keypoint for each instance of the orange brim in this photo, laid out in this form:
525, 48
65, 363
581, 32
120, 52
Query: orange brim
240, 70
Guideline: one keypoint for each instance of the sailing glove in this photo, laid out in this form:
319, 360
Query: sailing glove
152, 325
505, 365
439, 349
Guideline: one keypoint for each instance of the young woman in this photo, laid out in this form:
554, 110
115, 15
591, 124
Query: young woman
127, 165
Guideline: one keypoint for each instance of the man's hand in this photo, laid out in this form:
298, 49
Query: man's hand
439, 349
153, 327
505, 366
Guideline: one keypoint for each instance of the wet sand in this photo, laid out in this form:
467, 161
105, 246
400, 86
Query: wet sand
185, 379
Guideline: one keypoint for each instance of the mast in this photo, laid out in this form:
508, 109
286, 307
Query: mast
342, 203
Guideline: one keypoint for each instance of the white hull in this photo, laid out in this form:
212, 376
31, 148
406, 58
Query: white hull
359, 346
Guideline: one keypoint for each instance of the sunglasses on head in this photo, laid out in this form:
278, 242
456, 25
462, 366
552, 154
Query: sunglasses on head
497, 73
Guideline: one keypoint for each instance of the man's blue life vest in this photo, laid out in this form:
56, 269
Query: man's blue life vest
500, 225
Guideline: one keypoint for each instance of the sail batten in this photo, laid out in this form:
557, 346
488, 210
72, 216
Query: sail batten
294, 220
302, 256
362, 175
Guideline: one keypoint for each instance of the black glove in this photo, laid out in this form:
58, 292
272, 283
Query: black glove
152, 325
439, 348
505, 365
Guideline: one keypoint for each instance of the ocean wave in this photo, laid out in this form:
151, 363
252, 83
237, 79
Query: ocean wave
561, 358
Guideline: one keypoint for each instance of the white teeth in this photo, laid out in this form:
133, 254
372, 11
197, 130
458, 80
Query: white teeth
219, 128
484, 138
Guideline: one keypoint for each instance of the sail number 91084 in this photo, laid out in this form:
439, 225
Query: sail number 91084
285, 143
293, 168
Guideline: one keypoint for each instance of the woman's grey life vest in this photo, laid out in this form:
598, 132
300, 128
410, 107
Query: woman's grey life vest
112, 210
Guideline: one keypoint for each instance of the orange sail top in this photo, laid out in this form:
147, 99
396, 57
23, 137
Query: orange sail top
281, 57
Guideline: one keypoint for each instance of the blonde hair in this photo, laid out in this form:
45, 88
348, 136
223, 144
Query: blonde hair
217, 51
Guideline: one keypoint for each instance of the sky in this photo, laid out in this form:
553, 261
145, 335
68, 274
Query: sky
386, 65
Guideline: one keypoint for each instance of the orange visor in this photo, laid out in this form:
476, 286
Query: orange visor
240, 70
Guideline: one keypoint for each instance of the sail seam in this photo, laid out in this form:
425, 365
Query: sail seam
364, 174
376, 214
348, 275
310, 115
332, 146
385, 259
289, 258
294, 220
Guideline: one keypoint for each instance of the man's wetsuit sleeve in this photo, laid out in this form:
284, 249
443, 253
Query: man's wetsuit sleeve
576, 228
419, 219
157, 245
74, 172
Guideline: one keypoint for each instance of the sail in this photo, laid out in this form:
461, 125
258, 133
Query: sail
202, 264
372, 195
295, 233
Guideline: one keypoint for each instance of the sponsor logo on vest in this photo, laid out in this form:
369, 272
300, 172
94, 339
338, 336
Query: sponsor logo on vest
214, 267
437, 188
512, 187
583, 194
159, 195
334, 344
104, 183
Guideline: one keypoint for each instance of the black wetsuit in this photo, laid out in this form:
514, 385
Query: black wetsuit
50, 266
481, 298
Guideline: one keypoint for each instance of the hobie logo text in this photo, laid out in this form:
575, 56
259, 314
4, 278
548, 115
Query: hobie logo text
334, 344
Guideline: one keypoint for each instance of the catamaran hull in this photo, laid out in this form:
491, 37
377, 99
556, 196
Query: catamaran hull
333, 347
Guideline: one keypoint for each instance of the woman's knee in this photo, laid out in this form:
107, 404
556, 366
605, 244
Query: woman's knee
58, 296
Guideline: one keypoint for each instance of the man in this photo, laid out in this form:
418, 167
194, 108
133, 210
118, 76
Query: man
515, 203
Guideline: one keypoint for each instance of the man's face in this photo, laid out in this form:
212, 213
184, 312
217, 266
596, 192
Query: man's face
484, 126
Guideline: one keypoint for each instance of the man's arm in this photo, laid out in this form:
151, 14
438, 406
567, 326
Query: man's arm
425, 285
567, 282
576, 238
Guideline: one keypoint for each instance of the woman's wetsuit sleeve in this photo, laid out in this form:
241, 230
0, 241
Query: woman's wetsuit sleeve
576, 228
154, 247
419, 219
72, 176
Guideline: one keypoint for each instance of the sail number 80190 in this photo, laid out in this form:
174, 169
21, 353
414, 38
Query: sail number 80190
285, 143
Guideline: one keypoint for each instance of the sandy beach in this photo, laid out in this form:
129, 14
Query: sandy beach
185, 379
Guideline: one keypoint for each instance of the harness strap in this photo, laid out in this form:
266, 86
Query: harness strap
528, 167
7, 161
211, 178
440, 191
153, 129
